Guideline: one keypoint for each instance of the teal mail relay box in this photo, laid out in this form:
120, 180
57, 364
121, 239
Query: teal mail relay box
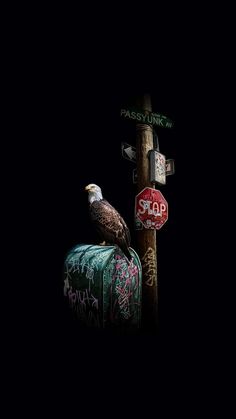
103, 287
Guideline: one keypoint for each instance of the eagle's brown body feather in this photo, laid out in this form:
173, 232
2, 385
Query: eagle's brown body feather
110, 225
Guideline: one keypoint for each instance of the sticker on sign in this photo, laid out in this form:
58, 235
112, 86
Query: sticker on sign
157, 167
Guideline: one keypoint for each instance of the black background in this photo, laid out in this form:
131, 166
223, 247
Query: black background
67, 94
77, 140
66, 81
71, 136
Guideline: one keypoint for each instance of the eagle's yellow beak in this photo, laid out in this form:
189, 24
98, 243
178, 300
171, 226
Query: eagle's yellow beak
87, 188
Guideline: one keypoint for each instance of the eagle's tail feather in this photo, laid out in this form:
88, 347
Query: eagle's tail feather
127, 253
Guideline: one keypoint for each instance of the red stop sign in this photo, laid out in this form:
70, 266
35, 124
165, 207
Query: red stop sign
151, 208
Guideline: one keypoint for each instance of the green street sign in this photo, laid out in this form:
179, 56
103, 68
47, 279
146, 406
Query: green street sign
150, 118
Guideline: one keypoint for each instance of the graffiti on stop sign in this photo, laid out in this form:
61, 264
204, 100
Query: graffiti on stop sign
151, 208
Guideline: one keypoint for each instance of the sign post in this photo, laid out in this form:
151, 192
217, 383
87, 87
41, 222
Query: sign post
146, 238
151, 208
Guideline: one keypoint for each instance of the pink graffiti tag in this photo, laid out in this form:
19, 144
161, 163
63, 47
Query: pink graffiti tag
125, 281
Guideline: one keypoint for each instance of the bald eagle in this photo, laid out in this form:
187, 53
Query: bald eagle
108, 222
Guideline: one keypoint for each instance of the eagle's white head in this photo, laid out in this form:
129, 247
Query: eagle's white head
94, 192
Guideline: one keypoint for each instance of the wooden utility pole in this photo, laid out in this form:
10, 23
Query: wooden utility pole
146, 238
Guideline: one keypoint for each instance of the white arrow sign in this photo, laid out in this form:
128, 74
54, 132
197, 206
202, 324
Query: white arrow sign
128, 152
